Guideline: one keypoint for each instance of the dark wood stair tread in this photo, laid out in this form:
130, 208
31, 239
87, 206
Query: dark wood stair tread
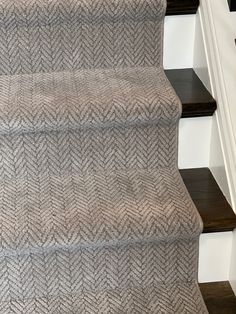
196, 99
219, 297
176, 7
232, 5
216, 213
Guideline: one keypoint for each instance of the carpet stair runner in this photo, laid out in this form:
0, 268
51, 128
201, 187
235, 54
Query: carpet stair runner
95, 217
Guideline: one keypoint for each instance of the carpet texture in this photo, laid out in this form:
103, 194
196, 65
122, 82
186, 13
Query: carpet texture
95, 218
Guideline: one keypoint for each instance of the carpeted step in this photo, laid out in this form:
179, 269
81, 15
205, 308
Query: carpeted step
57, 35
104, 208
84, 99
55, 126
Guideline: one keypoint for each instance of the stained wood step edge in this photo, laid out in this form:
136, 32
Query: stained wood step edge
216, 213
232, 5
195, 98
219, 297
180, 7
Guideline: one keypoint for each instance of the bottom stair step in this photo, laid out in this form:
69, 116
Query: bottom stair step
219, 297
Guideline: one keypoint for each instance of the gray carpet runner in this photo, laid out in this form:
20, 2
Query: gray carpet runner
94, 216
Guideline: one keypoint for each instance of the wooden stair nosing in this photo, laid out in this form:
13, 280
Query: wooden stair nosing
180, 7
195, 98
216, 213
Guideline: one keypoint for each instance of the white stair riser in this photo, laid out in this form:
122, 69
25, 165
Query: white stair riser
194, 142
215, 256
179, 41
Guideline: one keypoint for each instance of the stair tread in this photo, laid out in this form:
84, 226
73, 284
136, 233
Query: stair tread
195, 98
219, 297
85, 99
94, 209
216, 213
179, 7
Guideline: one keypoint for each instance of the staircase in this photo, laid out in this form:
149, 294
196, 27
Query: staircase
95, 217
218, 217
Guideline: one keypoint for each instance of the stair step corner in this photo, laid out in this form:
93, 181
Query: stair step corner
215, 211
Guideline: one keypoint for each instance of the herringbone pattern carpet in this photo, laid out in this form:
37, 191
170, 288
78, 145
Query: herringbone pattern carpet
94, 217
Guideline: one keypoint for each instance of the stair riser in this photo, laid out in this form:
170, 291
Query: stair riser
80, 35
179, 39
66, 271
91, 150
130, 301
194, 142
214, 257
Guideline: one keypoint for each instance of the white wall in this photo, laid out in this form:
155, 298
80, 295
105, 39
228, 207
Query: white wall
200, 65
225, 34
219, 29
219, 25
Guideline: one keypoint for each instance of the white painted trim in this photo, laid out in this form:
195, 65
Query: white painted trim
217, 163
216, 160
218, 31
223, 118
232, 273
200, 62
